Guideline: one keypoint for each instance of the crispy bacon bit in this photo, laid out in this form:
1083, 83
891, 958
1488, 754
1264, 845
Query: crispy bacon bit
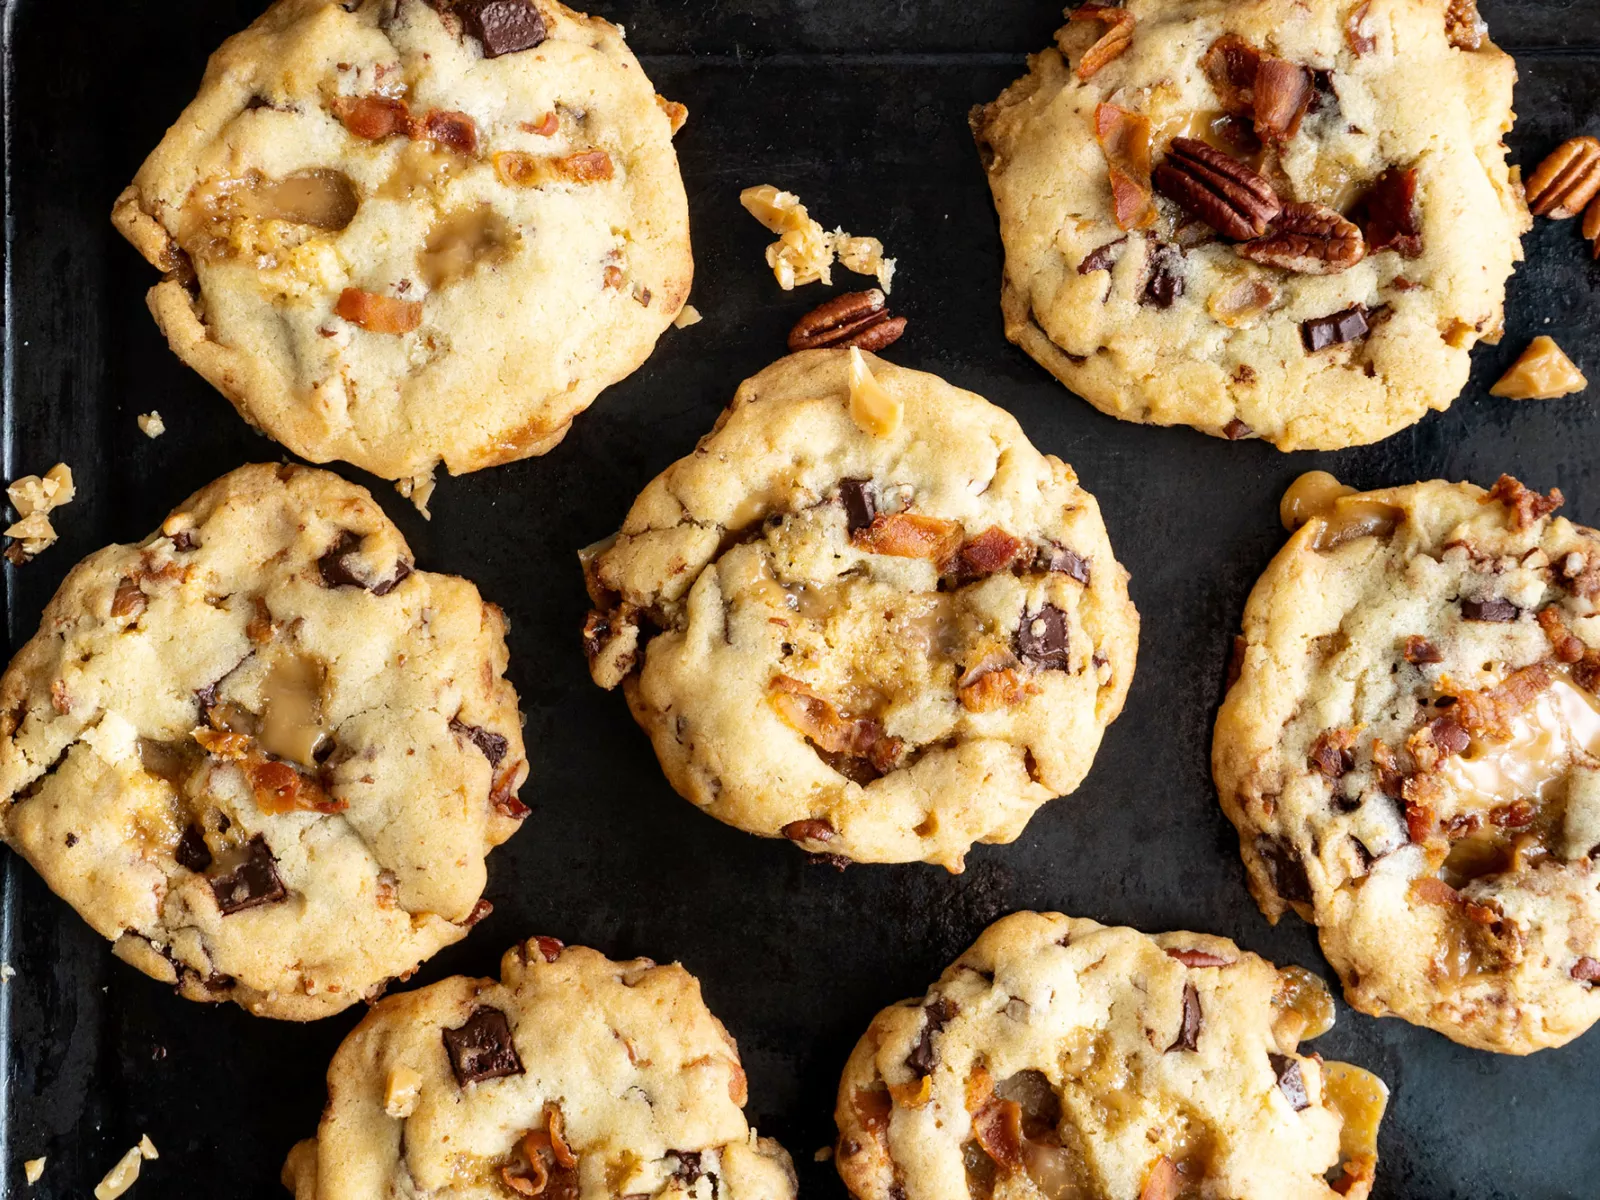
1355, 34
1563, 646
373, 117
1388, 214
1001, 688
1489, 713
997, 1127
546, 126
1163, 1182
586, 166
1420, 821
1231, 65
1283, 94
378, 314
279, 788
221, 744
1124, 138
558, 1142
1528, 505
1432, 890
991, 551
1518, 814
911, 535
1199, 958
1420, 651
1118, 35
129, 600
1391, 778
828, 728
1332, 753
452, 130
873, 1107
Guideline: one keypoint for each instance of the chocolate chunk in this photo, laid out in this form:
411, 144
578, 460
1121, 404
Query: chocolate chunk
252, 883
503, 26
384, 586
688, 1168
1056, 557
812, 829
493, 745
1287, 872
1493, 609
1189, 1031
1290, 1082
1586, 970
184, 540
339, 566
936, 1015
1102, 258
207, 696
549, 948
1042, 639
1448, 735
1345, 326
860, 499
192, 853
1420, 651
1164, 283
1236, 430
482, 1048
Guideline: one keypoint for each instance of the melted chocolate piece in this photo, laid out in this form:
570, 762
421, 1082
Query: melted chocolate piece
192, 853
384, 586
1290, 1082
1493, 609
1056, 557
1344, 326
503, 26
1102, 258
252, 883
937, 1014
1288, 873
1165, 281
1189, 1031
1042, 639
860, 499
492, 744
482, 1047
339, 567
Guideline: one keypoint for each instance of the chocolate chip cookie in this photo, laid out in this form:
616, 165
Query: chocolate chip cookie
572, 1075
400, 232
1065, 1058
1277, 219
865, 615
262, 753
1411, 753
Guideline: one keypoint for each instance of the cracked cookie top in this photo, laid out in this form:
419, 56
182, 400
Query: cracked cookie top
260, 752
1249, 217
866, 615
571, 1076
1062, 1058
398, 232
1411, 753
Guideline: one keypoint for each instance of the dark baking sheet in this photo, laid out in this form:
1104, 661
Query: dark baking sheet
861, 108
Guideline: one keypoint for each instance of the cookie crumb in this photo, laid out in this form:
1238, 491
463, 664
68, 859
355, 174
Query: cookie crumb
32, 1170
689, 316
419, 490
1544, 372
7, 972
805, 251
34, 497
121, 1177
151, 424
823, 1155
147, 1148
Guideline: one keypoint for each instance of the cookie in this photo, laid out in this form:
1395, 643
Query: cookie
1252, 217
571, 1075
260, 752
397, 233
1066, 1058
865, 615
1411, 753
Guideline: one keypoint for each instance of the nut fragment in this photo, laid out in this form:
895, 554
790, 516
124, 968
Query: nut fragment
34, 497
1462, 25
1282, 96
872, 408
1310, 239
853, 319
1124, 138
1544, 372
1117, 37
1217, 188
1567, 180
151, 424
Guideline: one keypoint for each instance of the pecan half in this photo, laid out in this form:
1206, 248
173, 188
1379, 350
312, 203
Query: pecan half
1283, 94
1217, 188
1311, 239
1567, 180
1388, 213
1124, 138
1462, 25
853, 319
1119, 33
1591, 225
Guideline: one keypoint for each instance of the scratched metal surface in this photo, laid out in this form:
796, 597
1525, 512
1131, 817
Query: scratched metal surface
861, 109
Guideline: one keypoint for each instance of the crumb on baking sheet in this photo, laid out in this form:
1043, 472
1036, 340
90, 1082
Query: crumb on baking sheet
1544, 372
147, 1148
34, 497
805, 251
151, 424
689, 316
121, 1177
419, 490
32, 1170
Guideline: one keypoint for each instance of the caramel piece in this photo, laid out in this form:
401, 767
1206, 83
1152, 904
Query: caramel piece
1544, 372
874, 410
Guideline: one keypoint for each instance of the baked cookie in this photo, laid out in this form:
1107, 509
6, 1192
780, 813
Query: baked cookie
1293, 266
866, 615
260, 752
1411, 753
1062, 1058
573, 1075
397, 232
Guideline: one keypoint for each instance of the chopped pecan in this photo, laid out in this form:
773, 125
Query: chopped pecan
1586, 970
1283, 94
1356, 35
1231, 65
1310, 239
1124, 138
1462, 25
1388, 213
1332, 754
853, 319
1567, 180
1217, 188
376, 313
1527, 504
1119, 33
911, 535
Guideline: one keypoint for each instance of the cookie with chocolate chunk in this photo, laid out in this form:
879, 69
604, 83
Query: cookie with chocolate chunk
1062, 1057
406, 232
866, 615
262, 753
1247, 216
1411, 753
571, 1073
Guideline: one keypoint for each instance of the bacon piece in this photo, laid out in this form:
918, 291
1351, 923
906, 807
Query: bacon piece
997, 1126
374, 117
1001, 688
1199, 958
828, 728
911, 535
1124, 138
1331, 753
1117, 37
452, 130
992, 551
378, 314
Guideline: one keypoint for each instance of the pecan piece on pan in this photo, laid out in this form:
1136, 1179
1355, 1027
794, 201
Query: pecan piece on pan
1124, 138
1311, 239
1118, 35
854, 319
1567, 180
1217, 188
